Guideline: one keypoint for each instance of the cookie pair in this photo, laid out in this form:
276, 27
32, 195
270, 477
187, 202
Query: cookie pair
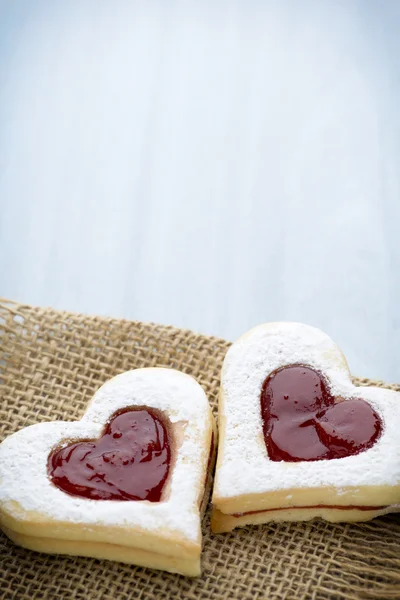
129, 481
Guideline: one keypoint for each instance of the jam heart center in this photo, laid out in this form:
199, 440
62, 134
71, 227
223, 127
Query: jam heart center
130, 461
302, 420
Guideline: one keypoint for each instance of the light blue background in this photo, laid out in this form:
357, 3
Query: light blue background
211, 165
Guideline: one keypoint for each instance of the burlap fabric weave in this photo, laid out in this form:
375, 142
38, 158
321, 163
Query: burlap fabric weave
50, 365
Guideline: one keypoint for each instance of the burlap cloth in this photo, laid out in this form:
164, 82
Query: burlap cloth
51, 363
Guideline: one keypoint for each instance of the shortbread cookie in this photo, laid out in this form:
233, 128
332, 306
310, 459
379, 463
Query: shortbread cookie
297, 439
127, 482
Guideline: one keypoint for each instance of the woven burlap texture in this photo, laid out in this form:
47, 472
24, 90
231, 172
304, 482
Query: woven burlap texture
52, 362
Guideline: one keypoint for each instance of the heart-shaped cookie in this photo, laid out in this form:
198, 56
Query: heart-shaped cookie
305, 441
126, 482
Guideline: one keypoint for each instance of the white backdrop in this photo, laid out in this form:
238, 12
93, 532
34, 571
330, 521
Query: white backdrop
211, 165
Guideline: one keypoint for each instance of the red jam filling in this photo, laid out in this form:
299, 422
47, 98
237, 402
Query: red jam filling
130, 461
333, 506
303, 421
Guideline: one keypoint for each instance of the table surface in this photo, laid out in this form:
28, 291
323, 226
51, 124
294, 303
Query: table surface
211, 165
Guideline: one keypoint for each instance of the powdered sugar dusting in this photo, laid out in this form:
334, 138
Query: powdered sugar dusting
23, 456
242, 449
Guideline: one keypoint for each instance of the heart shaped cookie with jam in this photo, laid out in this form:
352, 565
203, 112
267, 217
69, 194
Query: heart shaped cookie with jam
297, 439
127, 482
